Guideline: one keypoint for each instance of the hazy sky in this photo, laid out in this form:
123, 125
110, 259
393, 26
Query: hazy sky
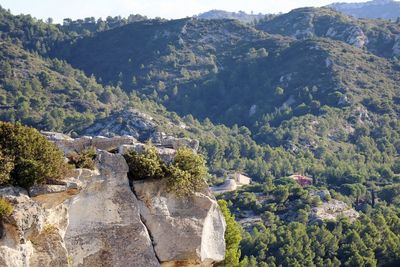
59, 9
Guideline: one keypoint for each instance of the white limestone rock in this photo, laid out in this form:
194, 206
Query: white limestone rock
32, 235
104, 221
196, 221
332, 210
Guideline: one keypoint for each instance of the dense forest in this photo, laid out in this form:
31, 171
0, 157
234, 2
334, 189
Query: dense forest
261, 100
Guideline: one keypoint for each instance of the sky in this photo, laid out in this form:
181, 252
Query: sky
170, 9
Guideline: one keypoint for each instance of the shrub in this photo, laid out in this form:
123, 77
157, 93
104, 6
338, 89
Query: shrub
179, 181
6, 166
232, 237
5, 208
33, 157
187, 173
86, 159
145, 165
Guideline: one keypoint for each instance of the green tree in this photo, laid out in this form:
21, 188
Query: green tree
281, 193
145, 165
232, 238
35, 159
6, 166
187, 173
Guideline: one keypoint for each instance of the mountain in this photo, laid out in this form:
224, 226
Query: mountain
306, 94
375, 9
190, 66
379, 37
241, 16
315, 95
312, 95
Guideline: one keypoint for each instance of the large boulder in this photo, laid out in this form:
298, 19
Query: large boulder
187, 230
105, 228
93, 218
32, 235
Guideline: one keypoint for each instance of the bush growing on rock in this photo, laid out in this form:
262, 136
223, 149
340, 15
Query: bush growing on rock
6, 166
30, 158
185, 175
85, 159
145, 165
5, 208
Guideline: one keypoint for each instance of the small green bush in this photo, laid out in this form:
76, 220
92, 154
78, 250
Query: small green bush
185, 176
6, 166
86, 159
145, 165
31, 159
5, 208
187, 173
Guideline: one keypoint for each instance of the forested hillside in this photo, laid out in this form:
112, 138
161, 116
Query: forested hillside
311, 92
49, 93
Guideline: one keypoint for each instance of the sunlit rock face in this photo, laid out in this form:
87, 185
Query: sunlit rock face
197, 220
94, 218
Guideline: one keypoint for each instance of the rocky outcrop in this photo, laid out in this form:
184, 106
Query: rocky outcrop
104, 221
94, 218
128, 122
99, 142
356, 37
396, 46
32, 235
332, 210
196, 220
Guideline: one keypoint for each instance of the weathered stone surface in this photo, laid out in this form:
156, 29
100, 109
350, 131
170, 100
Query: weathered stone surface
103, 143
108, 144
92, 218
196, 221
104, 221
33, 235
333, 209
54, 136
175, 143
139, 147
71, 184
128, 122
166, 154
356, 37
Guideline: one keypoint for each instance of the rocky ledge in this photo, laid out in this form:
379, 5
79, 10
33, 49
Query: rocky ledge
95, 218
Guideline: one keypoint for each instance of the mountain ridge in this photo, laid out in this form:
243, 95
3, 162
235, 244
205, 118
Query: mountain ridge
375, 9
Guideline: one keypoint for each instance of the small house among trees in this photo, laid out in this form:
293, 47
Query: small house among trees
239, 178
